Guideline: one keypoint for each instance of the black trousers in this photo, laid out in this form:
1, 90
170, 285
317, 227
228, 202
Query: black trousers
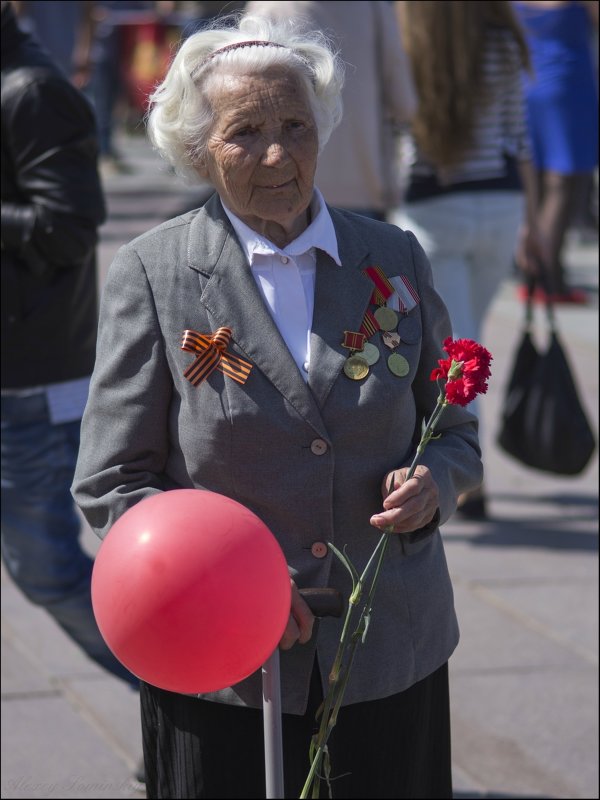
398, 747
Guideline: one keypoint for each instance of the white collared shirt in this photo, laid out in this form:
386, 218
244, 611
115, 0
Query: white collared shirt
286, 277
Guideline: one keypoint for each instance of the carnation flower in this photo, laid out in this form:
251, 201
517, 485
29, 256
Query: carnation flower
466, 372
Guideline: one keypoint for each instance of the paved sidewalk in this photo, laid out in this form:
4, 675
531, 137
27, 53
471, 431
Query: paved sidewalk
524, 679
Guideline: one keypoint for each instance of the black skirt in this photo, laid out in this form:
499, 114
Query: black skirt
397, 747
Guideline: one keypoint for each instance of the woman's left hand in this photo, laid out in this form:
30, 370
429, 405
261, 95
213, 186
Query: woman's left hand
411, 504
300, 622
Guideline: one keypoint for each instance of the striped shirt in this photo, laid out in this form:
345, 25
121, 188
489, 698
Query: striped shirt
500, 136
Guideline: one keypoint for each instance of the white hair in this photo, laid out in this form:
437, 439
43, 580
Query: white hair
180, 115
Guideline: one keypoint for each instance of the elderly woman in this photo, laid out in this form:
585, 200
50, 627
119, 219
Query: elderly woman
334, 326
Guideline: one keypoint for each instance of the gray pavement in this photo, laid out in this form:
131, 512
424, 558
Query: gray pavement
524, 679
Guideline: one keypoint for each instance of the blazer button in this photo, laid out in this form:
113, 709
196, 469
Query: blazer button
318, 447
319, 549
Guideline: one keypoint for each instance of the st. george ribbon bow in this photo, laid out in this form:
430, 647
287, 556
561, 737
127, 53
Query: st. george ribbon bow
210, 350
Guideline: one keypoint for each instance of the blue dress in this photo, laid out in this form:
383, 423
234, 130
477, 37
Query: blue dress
562, 93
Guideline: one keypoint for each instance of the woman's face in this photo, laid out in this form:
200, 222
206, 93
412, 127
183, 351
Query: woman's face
262, 150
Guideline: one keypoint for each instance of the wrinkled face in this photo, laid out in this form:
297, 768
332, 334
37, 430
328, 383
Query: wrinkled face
262, 150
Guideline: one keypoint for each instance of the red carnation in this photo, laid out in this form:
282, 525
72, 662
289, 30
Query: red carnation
466, 372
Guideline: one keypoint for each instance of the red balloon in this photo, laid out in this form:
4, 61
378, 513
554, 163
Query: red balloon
191, 591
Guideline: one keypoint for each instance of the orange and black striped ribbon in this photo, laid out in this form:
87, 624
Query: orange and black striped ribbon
210, 350
354, 340
369, 325
383, 288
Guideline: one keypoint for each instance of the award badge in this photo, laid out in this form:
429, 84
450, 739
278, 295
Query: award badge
364, 354
355, 367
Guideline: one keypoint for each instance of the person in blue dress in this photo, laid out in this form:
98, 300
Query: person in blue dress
562, 110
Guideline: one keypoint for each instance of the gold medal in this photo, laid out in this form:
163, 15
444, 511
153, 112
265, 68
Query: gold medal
387, 318
370, 353
391, 339
356, 368
398, 365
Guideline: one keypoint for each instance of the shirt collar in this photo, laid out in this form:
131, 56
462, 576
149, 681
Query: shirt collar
319, 234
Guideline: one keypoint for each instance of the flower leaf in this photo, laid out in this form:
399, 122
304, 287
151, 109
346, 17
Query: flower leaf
318, 714
314, 746
367, 619
327, 770
348, 564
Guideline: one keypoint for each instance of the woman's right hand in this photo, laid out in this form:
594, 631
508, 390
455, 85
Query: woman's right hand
531, 252
300, 623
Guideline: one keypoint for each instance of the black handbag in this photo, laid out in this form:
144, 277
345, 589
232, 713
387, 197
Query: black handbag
543, 423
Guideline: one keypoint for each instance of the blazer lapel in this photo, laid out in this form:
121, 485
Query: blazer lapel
232, 297
234, 300
342, 296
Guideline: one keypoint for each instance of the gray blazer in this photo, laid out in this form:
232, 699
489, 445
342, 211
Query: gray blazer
147, 429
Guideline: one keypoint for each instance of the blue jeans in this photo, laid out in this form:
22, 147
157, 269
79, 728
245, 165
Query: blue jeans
40, 525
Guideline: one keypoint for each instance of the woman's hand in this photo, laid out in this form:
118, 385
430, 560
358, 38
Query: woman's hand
532, 252
411, 504
300, 624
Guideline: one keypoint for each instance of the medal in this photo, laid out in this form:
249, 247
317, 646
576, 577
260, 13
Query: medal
370, 354
398, 365
353, 340
363, 353
356, 368
391, 339
387, 318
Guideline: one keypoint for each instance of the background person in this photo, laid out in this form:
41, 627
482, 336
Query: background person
466, 160
303, 441
52, 205
106, 87
65, 29
562, 113
358, 171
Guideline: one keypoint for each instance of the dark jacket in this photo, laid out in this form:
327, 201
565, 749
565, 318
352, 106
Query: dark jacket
52, 205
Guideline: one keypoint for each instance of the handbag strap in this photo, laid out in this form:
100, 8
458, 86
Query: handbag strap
530, 284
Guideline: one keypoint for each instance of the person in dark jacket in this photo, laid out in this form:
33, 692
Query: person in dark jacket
52, 206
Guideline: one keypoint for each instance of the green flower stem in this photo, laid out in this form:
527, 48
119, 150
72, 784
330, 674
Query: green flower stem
335, 669
427, 434
333, 683
359, 633
338, 679
328, 722
339, 675
316, 763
